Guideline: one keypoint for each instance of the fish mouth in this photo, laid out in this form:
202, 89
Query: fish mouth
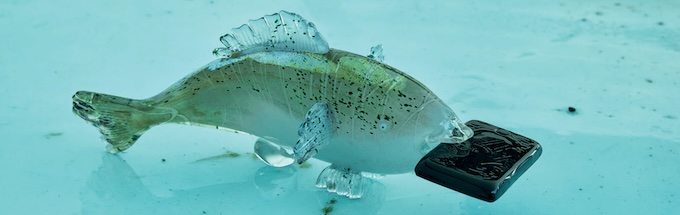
453, 131
82, 105
460, 132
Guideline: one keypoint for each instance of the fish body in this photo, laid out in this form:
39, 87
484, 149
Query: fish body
378, 119
383, 116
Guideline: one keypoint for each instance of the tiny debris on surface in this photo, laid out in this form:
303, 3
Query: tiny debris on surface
227, 154
53, 134
327, 210
306, 165
570, 110
232, 154
329, 207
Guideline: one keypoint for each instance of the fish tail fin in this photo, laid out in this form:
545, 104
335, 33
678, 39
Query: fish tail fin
120, 120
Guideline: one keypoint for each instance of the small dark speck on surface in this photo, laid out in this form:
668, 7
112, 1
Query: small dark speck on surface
233, 154
53, 134
598, 13
670, 117
306, 165
571, 110
329, 207
327, 210
227, 154
162, 159
580, 189
660, 23
649, 81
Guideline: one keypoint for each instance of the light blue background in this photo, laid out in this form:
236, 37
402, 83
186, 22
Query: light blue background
516, 64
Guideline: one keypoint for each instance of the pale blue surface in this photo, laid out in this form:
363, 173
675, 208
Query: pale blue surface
517, 65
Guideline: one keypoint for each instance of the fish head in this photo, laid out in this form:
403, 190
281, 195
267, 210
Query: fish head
440, 125
397, 140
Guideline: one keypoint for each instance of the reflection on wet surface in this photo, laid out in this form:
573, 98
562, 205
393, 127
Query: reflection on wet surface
116, 188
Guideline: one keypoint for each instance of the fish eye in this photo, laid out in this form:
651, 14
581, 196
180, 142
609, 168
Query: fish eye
384, 125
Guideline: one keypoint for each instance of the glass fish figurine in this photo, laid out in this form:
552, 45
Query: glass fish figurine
276, 78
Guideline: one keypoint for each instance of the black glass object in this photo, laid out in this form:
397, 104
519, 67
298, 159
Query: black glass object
484, 166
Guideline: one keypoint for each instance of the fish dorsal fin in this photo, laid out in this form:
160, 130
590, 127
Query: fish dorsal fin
283, 31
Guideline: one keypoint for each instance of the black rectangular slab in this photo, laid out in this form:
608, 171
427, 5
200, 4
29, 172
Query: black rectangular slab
484, 166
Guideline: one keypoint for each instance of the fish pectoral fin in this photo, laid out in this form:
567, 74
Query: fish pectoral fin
377, 53
282, 31
315, 132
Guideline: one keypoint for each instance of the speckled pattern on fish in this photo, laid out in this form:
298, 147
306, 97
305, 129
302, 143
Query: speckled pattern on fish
276, 78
